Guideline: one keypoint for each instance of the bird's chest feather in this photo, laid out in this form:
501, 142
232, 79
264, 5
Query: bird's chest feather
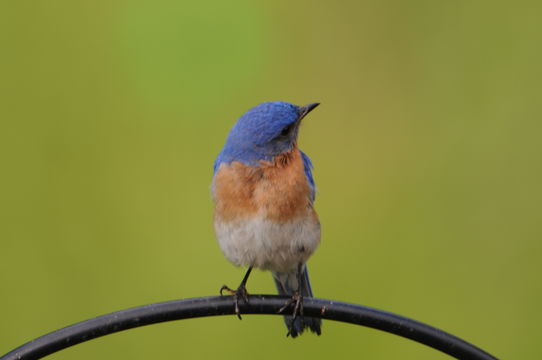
264, 215
277, 190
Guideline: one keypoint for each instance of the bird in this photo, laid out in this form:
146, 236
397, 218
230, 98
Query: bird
263, 191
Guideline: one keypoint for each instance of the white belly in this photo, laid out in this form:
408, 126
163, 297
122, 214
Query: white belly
268, 245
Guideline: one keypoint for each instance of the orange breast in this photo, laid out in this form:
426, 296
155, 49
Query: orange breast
278, 190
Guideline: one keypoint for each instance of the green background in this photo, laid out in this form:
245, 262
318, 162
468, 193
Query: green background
427, 148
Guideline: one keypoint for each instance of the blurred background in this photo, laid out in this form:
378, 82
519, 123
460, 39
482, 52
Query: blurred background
426, 148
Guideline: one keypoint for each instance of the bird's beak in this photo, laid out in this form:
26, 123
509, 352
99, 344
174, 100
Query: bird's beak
304, 110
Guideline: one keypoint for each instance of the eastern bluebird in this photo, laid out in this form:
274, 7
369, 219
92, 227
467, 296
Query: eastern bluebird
264, 191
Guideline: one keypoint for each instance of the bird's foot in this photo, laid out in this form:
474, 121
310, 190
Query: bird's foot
297, 301
240, 293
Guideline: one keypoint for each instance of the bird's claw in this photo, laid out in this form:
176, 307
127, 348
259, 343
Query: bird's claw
297, 301
240, 292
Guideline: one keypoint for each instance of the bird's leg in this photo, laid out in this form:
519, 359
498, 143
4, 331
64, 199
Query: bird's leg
297, 297
240, 292
298, 310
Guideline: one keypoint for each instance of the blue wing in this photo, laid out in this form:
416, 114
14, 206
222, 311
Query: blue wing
217, 162
307, 165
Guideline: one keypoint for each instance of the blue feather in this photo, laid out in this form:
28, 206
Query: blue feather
307, 165
257, 134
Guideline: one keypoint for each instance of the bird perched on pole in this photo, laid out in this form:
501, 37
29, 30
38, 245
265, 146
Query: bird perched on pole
264, 192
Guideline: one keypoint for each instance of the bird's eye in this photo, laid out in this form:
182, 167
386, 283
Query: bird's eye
286, 130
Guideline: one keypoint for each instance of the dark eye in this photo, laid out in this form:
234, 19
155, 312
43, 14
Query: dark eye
286, 130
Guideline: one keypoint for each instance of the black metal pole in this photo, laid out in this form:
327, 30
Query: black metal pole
258, 304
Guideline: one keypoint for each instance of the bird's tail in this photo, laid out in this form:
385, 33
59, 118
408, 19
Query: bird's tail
287, 284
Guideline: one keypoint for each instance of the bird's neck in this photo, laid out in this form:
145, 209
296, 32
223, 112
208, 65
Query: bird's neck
255, 157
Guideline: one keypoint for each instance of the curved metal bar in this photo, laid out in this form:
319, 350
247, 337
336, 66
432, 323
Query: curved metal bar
258, 304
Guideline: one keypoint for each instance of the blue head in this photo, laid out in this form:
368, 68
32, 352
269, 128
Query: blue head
265, 131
